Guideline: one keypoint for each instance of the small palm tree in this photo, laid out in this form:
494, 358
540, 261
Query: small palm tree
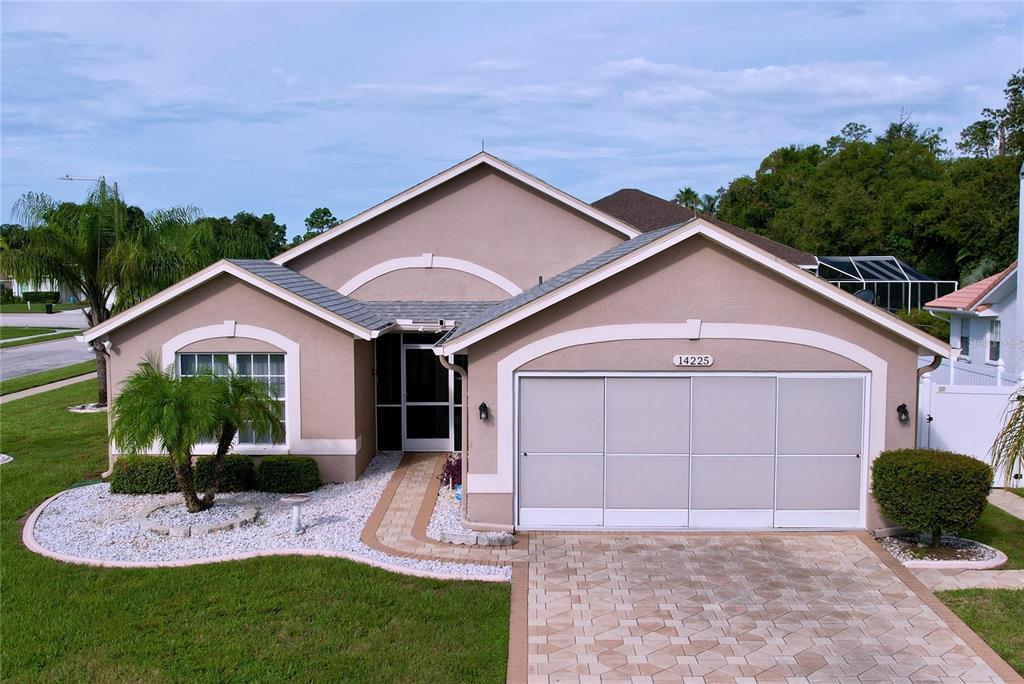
1008, 450
687, 197
156, 408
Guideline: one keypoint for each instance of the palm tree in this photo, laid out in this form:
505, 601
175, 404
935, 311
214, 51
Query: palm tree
687, 197
96, 249
156, 408
1008, 450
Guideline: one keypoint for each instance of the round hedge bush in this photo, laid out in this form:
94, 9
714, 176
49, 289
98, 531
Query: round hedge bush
931, 491
287, 474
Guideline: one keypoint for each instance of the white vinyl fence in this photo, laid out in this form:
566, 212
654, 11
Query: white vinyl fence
961, 418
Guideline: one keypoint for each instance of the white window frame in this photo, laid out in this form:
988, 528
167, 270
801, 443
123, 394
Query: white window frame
995, 335
237, 444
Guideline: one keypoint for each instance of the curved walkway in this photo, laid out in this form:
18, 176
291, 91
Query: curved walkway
1008, 501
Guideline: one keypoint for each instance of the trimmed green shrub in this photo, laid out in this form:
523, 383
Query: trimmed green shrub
154, 475
238, 474
930, 491
142, 475
43, 297
287, 474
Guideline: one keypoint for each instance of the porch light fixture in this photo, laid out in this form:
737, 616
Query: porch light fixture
903, 414
484, 411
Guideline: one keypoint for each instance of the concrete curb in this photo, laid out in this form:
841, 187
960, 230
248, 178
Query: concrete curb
29, 540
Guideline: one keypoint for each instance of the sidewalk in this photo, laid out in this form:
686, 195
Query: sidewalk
14, 396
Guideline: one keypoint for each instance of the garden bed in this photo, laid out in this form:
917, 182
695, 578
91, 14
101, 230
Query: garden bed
91, 524
954, 553
446, 525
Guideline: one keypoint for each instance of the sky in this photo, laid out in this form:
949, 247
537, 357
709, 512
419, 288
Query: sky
285, 107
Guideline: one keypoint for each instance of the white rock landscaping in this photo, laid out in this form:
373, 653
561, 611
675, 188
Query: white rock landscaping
446, 525
89, 524
4, 458
954, 553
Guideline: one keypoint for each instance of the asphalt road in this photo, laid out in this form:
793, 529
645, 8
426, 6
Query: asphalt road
32, 358
59, 319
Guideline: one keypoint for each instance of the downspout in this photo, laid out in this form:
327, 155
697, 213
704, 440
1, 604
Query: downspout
936, 362
464, 454
487, 527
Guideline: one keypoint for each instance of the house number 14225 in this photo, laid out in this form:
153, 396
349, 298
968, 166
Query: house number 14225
693, 359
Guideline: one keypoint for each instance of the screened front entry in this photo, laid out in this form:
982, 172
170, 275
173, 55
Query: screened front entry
702, 451
418, 399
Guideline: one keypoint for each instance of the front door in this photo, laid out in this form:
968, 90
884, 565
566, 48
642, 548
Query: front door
427, 407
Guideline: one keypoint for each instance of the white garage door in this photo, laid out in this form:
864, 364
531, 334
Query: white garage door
704, 451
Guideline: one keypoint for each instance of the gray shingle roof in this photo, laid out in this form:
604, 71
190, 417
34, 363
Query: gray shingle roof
564, 278
314, 292
428, 312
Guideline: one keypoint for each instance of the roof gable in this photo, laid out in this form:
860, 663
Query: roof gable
626, 255
618, 226
305, 293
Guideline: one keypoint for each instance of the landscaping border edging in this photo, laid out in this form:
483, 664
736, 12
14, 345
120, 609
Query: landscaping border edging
987, 564
145, 525
29, 540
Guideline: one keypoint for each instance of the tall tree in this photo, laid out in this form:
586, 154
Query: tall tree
687, 197
1000, 131
319, 220
95, 249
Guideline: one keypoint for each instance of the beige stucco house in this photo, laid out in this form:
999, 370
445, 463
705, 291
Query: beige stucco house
610, 365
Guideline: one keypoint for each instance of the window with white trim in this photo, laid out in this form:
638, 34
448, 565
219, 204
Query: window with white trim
965, 338
266, 367
994, 338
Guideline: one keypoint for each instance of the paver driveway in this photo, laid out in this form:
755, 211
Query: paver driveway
728, 607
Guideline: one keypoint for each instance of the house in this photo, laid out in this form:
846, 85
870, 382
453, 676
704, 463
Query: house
983, 327
593, 368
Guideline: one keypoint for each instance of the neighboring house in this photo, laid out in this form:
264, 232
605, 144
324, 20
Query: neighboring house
983, 331
595, 368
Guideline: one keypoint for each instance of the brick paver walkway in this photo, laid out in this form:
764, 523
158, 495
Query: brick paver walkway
941, 580
401, 527
743, 608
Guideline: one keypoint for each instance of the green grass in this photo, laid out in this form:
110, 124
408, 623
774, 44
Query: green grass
21, 307
9, 332
1005, 532
268, 619
24, 382
45, 338
997, 615
1019, 491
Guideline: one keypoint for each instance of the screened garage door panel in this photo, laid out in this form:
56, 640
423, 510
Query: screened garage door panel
707, 451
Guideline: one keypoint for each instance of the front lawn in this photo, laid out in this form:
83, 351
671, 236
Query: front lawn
1005, 532
24, 382
9, 332
997, 615
267, 619
56, 335
1019, 491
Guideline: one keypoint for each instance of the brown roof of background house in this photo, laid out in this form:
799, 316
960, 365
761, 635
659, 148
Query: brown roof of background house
645, 212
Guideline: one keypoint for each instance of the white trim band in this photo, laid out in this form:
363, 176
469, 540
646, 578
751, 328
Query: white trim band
427, 260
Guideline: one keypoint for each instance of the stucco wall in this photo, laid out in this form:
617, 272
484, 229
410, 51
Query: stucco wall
695, 279
326, 374
429, 285
481, 216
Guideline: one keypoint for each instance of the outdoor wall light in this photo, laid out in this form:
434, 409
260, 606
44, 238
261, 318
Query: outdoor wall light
903, 414
484, 411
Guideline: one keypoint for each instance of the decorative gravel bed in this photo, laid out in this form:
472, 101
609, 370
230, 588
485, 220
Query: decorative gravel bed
910, 548
177, 514
446, 525
4, 458
91, 522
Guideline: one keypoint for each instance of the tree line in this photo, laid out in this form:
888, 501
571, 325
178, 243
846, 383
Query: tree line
950, 213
